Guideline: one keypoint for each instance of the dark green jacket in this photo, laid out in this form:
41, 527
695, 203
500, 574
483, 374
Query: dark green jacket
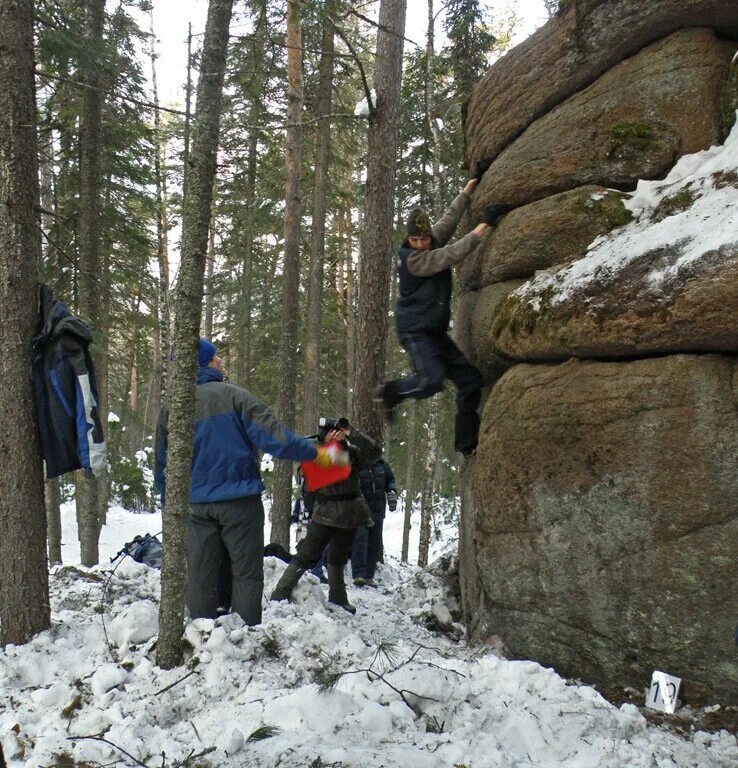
341, 505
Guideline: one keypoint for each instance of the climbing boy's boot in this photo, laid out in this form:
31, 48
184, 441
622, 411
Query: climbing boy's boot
386, 398
337, 588
288, 582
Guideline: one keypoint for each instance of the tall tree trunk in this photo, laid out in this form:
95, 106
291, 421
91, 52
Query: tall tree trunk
282, 504
102, 370
161, 348
374, 267
247, 268
429, 474
88, 521
210, 270
350, 311
53, 519
24, 586
195, 219
426, 498
317, 250
409, 479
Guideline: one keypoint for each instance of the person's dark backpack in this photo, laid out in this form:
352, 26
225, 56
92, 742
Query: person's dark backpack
65, 391
143, 549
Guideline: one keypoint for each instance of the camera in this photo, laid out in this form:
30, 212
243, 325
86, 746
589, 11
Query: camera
326, 424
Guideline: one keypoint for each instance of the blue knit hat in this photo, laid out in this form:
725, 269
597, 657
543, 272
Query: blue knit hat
205, 353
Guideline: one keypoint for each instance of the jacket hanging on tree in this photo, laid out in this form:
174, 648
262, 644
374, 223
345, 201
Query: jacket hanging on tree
66, 391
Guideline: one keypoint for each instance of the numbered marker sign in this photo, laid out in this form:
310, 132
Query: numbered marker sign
662, 694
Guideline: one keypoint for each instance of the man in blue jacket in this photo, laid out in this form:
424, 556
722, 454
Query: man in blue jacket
423, 313
226, 513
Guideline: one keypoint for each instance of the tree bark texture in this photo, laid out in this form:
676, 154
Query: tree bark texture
201, 163
376, 253
247, 268
409, 480
24, 581
89, 249
162, 250
317, 249
288, 357
53, 520
427, 494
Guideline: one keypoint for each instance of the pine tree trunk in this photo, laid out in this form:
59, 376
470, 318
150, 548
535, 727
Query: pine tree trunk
247, 268
350, 314
374, 267
317, 250
197, 205
427, 495
161, 350
409, 479
426, 498
210, 269
53, 520
24, 586
88, 521
282, 504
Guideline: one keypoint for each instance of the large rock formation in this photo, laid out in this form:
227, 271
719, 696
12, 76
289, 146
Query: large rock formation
606, 521
599, 531
633, 123
587, 38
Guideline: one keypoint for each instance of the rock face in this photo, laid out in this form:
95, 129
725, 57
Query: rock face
694, 310
606, 524
599, 529
587, 38
474, 323
632, 123
555, 230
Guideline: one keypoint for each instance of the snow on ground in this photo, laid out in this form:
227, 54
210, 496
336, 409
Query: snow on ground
428, 701
703, 218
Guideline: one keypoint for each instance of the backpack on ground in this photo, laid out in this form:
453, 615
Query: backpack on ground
145, 549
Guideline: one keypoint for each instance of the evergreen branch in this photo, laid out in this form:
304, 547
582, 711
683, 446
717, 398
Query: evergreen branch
265, 732
330, 681
138, 102
359, 64
383, 27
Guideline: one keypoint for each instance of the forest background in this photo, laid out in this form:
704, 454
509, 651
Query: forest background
144, 142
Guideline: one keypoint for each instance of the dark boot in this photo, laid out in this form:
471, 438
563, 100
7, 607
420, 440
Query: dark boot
467, 433
288, 582
337, 588
387, 398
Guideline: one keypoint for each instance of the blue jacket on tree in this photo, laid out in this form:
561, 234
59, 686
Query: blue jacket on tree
66, 392
231, 426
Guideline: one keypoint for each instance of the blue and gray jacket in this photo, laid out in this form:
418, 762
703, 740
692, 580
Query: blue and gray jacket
424, 299
231, 425
65, 392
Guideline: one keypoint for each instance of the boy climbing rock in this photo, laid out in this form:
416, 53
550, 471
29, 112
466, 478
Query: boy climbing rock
423, 312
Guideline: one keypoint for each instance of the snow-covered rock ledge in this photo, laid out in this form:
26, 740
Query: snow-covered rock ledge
666, 282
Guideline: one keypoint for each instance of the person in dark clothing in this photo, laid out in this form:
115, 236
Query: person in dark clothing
423, 312
378, 488
302, 515
226, 513
339, 510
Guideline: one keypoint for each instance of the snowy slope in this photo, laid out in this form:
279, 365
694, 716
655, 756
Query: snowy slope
462, 706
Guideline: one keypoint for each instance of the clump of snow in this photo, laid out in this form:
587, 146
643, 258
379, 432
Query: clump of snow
267, 463
362, 107
113, 418
136, 624
707, 225
396, 694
